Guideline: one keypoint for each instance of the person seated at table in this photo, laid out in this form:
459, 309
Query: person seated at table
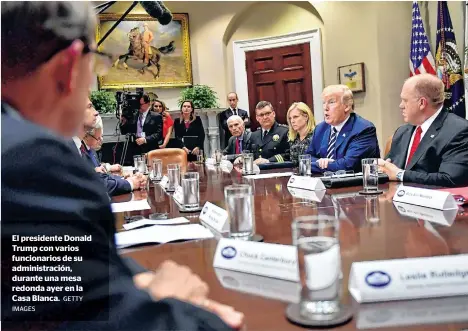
49, 58
189, 131
240, 138
159, 107
344, 138
432, 148
301, 124
270, 142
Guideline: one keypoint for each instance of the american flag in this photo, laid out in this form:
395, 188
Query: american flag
421, 60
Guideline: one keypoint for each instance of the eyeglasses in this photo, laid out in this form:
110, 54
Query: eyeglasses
100, 139
339, 173
265, 114
102, 61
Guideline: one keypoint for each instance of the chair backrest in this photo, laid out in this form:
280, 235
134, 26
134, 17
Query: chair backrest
168, 156
388, 145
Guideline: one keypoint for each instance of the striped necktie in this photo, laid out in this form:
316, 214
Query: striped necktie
331, 144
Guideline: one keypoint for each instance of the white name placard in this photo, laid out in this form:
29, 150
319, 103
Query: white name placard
424, 197
271, 288
301, 193
179, 195
215, 217
270, 260
443, 217
163, 182
305, 182
404, 279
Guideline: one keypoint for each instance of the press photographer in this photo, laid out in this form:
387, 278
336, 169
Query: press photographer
144, 125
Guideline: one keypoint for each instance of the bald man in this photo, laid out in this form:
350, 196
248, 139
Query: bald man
432, 148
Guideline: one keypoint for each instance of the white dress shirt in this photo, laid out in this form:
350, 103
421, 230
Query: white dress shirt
77, 142
340, 126
143, 117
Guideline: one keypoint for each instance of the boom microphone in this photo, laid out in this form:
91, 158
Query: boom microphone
157, 10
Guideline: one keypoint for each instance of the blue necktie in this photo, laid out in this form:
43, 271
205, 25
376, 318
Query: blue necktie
331, 145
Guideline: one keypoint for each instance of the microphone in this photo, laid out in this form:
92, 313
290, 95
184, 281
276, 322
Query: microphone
157, 10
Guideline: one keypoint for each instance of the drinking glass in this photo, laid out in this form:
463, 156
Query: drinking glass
370, 175
173, 174
247, 162
240, 207
141, 166
191, 190
218, 156
136, 158
200, 158
305, 167
157, 169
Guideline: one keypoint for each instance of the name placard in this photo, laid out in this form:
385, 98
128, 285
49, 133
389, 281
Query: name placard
179, 195
271, 288
424, 197
215, 217
404, 279
443, 217
300, 193
163, 182
270, 260
307, 183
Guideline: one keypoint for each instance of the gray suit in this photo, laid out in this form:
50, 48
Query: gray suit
442, 155
230, 149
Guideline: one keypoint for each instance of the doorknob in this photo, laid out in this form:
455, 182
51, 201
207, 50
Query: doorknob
280, 102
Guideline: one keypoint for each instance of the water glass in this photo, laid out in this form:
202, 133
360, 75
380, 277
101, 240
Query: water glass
247, 162
200, 158
157, 169
305, 167
136, 158
240, 207
191, 190
173, 174
218, 156
370, 175
141, 166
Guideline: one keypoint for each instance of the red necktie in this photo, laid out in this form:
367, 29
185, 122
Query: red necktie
237, 146
82, 149
414, 146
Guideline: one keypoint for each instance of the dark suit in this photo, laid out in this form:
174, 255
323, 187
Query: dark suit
47, 189
357, 140
442, 155
195, 129
223, 117
152, 128
230, 150
274, 147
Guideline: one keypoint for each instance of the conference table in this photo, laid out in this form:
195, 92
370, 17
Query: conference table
371, 228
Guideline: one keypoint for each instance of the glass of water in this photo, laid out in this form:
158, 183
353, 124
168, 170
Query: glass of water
200, 158
218, 156
305, 168
191, 190
370, 175
157, 169
136, 158
241, 213
247, 162
141, 166
173, 175
319, 261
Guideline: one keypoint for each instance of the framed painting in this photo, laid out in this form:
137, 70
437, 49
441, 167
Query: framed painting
353, 76
146, 53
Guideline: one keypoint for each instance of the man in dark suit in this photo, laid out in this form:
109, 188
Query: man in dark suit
344, 138
270, 142
240, 140
47, 190
232, 110
146, 125
432, 148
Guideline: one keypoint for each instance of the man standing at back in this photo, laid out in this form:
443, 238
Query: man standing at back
232, 110
47, 190
344, 138
432, 148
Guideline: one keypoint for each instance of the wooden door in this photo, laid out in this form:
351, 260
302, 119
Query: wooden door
281, 76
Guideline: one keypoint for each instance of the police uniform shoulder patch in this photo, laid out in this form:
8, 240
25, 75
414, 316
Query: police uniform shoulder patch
283, 125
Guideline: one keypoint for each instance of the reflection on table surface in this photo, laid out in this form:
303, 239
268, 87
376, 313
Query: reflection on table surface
371, 228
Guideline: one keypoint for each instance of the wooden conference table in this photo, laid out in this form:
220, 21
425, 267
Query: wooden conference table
371, 228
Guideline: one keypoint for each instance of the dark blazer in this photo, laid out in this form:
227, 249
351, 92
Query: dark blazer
357, 140
442, 155
152, 128
195, 130
47, 189
223, 117
275, 146
230, 150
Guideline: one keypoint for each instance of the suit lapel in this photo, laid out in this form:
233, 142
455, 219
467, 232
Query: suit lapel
147, 119
345, 130
325, 140
426, 141
400, 158
270, 134
245, 140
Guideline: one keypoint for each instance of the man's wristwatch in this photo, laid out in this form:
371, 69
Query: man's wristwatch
399, 175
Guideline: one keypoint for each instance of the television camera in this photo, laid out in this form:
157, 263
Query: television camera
128, 103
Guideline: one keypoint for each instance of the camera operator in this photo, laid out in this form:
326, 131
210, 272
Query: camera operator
146, 125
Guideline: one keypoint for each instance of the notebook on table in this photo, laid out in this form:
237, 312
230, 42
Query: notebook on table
190, 142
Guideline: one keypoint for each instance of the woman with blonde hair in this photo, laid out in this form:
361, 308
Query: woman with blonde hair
301, 124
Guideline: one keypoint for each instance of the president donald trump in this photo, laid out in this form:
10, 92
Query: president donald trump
344, 138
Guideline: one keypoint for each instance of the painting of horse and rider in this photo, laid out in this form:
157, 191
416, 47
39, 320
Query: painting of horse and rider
146, 53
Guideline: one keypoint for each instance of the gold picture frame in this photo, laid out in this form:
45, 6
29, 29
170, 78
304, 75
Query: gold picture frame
353, 76
171, 42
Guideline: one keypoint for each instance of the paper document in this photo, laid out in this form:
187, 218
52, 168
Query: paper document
145, 221
161, 234
272, 175
130, 206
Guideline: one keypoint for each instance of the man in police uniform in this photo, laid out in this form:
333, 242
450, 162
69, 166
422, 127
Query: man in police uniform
270, 141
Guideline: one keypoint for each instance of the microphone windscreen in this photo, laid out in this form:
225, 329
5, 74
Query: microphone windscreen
158, 11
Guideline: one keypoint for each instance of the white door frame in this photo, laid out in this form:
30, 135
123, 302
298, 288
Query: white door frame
313, 37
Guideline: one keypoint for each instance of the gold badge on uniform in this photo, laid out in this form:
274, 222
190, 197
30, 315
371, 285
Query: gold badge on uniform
275, 137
